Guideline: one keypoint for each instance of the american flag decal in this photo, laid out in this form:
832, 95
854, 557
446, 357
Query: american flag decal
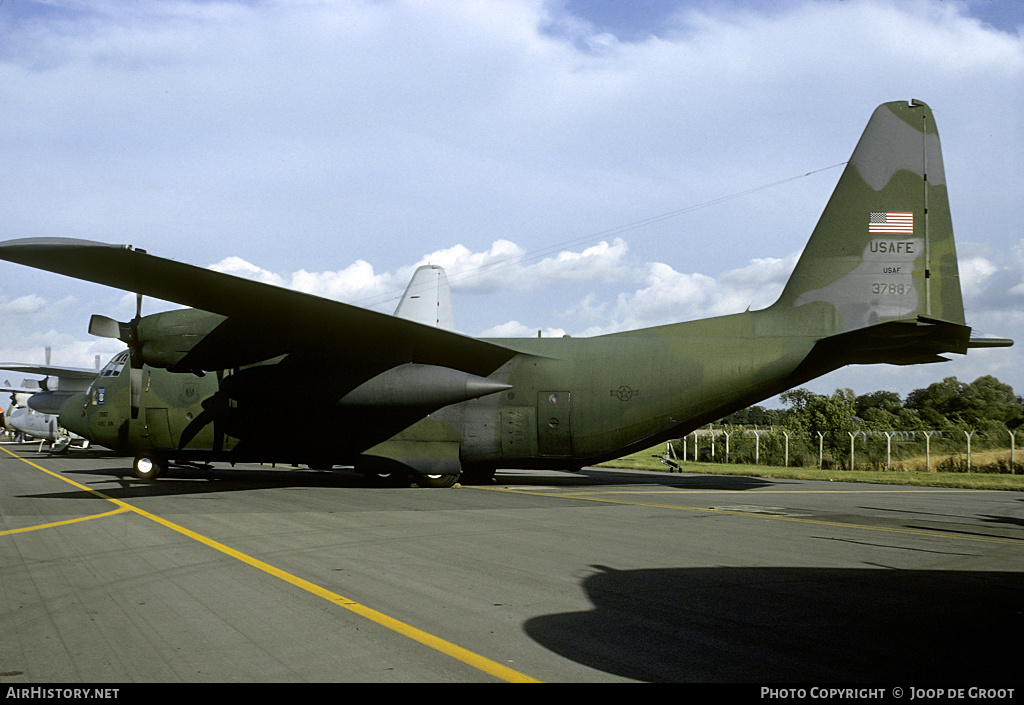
890, 222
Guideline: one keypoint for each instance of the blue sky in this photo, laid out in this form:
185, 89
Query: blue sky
636, 20
529, 146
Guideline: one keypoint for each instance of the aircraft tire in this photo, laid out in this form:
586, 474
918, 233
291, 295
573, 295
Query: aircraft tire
148, 467
436, 480
389, 478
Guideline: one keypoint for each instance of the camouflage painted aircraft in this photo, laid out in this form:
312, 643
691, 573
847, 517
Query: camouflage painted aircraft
877, 283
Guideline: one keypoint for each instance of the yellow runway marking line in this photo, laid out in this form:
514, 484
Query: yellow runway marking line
447, 648
590, 497
119, 510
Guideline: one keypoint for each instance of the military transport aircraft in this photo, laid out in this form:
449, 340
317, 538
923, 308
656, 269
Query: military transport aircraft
877, 282
36, 403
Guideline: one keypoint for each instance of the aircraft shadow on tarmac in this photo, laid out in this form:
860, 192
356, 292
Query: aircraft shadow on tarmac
793, 625
189, 480
183, 479
1012, 521
597, 476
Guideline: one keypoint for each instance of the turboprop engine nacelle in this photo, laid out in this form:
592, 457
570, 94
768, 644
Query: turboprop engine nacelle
162, 339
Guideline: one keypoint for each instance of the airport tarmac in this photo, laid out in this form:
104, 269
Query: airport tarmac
256, 574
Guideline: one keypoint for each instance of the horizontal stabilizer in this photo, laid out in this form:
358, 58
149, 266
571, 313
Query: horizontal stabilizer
895, 343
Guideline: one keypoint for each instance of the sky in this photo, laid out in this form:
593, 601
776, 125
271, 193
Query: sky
578, 166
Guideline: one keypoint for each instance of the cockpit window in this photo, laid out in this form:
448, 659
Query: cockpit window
116, 364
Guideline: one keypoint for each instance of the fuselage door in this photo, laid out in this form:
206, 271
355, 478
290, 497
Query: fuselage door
553, 433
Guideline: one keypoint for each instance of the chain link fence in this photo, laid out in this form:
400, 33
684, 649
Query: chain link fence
895, 451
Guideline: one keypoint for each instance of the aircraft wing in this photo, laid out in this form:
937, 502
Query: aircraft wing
82, 373
262, 321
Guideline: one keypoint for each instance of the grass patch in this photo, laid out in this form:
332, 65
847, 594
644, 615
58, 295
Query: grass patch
905, 475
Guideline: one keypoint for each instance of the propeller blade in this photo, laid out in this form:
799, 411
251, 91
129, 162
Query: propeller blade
136, 384
127, 333
215, 410
104, 327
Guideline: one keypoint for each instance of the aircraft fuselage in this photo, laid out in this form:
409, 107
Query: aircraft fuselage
564, 403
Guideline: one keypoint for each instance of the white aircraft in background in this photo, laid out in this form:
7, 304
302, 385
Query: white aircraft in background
36, 403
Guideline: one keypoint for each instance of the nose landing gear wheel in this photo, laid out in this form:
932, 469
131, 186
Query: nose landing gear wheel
148, 467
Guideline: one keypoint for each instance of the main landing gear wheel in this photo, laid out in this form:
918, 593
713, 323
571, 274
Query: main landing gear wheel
148, 467
389, 478
436, 480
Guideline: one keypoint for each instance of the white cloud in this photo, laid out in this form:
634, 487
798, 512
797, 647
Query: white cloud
515, 329
238, 267
327, 146
974, 272
355, 282
22, 305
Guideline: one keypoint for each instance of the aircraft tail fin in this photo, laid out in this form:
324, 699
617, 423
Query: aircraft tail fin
427, 299
883, 248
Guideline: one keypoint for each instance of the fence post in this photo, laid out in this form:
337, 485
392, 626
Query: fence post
969, 448
888, 449
757, 444
727, 435
928, 448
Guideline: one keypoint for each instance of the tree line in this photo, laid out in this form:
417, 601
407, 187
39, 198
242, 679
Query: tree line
949, 426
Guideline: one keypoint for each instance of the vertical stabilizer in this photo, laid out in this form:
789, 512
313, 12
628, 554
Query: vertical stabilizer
883, 248
427, 299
